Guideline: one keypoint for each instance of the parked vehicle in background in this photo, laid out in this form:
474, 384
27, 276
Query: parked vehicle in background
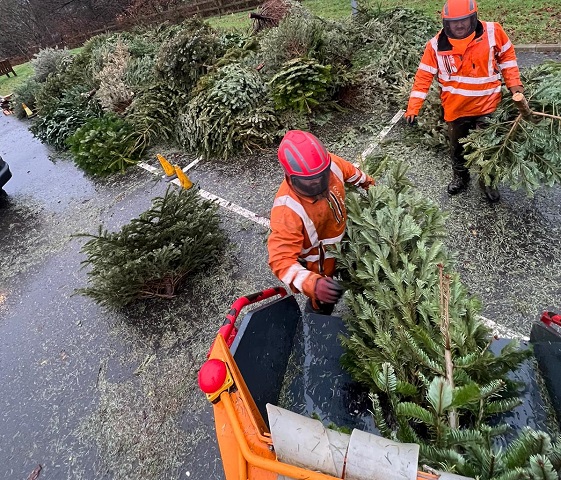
5, 173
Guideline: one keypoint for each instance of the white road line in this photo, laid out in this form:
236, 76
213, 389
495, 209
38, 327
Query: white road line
149, 168
236, 208
381, 135
501, 331
210, 196
192, 164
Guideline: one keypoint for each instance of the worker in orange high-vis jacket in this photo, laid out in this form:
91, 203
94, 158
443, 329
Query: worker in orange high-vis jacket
469, 58
309, 217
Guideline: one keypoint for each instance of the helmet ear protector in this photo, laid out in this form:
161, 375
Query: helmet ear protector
456, 10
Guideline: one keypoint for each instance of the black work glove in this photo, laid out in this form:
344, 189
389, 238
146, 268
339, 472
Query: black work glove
328, 290
411, 120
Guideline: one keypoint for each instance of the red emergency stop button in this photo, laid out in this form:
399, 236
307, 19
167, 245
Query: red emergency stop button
214, 378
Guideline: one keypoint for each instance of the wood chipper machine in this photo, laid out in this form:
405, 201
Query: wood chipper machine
280, 396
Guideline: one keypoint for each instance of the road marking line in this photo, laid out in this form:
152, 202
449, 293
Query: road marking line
210, 196
381, 135
236, 208
192, 164
149, 168
501, 331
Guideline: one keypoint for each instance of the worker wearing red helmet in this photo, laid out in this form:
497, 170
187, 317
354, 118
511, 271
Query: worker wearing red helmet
470, 59
309, 217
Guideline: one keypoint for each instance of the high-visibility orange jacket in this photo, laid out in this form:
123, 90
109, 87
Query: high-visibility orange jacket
304, 229
470, 84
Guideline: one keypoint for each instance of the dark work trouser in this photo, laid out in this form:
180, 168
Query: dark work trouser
458, 129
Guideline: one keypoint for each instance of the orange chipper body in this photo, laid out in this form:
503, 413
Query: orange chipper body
245, 443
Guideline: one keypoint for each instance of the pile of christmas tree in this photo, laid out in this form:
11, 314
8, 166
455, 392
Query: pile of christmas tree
416, 340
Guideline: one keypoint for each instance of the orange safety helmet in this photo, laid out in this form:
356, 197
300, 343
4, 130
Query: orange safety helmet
305, 161
455, 10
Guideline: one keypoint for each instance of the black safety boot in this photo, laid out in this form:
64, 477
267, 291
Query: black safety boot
459, 183
491, 192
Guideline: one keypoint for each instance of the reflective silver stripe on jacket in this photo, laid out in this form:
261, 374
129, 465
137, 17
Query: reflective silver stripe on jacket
358, 178
296, 207
337, 171
417, 94
472, 80
315, 258
490, 28
427, 68
509, 64
439, 60
471, 93
505, 47
296, 275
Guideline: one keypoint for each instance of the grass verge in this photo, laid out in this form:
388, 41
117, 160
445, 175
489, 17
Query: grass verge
8, 84
525, 21
330, 9
23, 71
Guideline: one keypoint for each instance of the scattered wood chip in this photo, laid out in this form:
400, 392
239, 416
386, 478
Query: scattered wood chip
149, 359
34, 475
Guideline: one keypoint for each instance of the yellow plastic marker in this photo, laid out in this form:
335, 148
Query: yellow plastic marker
168, 168
27, 110
184, 180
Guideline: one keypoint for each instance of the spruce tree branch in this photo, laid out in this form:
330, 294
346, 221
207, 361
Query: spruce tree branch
513, 128
486, 347
149, 294
480, 413
546, 115
507, 136
522, 104
445, 329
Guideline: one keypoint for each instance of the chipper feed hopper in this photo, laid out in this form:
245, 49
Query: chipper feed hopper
269, 377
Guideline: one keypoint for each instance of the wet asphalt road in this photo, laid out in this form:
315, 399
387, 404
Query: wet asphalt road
66, 364
49, 346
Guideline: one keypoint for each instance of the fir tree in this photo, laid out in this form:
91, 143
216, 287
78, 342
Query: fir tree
154, 253
523, 152
416, 340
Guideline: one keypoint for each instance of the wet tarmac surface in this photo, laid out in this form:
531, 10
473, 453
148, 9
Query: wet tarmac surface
529, 59
89, 393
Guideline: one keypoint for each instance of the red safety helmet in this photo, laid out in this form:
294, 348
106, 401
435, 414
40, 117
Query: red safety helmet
305, 161
456, 10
